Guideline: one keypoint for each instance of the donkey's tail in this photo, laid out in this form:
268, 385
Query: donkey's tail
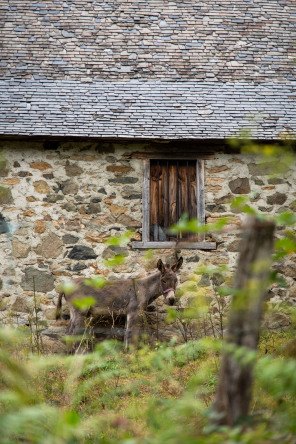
59, 305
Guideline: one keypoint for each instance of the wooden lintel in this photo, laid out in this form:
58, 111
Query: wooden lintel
167, 155
181, 245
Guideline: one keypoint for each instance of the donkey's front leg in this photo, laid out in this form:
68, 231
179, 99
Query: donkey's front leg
131, 332
78, 324
75, 326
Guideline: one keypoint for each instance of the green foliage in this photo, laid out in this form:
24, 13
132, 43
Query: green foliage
286, 218
118, 259
117, 241
153, 396
186, 225
206, 294
68, 287
277, 376
84, 303
240, 203
90, 385
285, 246
36, 325
95, 281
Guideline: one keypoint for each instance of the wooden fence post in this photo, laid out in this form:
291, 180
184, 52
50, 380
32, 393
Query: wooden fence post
233, 393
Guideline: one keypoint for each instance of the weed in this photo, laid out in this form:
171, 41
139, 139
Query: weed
35, 325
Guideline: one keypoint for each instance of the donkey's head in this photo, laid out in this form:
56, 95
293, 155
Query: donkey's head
168, 280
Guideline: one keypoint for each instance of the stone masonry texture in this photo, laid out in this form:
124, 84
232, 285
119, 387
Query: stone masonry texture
54, 236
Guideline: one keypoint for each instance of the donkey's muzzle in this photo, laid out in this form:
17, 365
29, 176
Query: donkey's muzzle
170, 297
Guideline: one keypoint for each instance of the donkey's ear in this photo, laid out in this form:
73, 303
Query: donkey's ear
160, 266
178, 264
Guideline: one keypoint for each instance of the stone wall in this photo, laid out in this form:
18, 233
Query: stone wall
63, 200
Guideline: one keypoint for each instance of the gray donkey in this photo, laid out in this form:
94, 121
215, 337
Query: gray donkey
126, 296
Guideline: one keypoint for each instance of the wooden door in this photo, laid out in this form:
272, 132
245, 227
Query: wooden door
172, 194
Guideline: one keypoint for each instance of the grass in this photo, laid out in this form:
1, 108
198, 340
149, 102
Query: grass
147, 395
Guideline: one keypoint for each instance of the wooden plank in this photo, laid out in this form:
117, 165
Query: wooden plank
182, 244
200, 195
173, 193
145, 200
234, 389
183, 187
192, 191
153, 195
169, 156
161, 187
165, 195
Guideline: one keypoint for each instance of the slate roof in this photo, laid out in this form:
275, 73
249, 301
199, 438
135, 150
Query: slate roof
151, 109
147, 68
208, 40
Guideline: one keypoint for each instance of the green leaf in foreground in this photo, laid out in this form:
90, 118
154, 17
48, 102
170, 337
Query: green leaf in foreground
286, 245
172, 315
195, 226
95, 282
118, 259
240, 203
67, 287
84, 303
186, 226
286, 218
117, 241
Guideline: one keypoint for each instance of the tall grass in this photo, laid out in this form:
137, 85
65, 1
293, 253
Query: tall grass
144, 396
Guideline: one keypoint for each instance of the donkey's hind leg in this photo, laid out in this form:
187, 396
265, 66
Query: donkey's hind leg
75, 326
131, 333
69, 330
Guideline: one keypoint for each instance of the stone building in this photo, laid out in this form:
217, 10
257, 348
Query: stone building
115, 115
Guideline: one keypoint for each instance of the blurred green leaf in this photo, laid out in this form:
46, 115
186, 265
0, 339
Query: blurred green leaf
68, 287
219, 225
195, 226
171, 315
274, 278
226, 291
72, 418
84, 303
239, 201
117, 241
95, 281
286, 218
118, 259
286, 244
149, 254
186, 226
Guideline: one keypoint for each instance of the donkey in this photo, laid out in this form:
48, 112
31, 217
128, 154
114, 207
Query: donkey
126, 296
